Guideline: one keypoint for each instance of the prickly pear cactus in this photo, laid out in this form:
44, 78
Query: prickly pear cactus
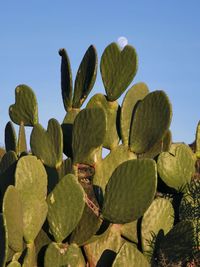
106, 187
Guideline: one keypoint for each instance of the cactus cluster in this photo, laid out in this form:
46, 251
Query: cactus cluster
63, 203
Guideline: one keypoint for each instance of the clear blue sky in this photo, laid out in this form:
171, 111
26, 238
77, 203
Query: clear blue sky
166, 35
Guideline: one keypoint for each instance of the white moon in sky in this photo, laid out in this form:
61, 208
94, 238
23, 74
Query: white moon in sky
122, 42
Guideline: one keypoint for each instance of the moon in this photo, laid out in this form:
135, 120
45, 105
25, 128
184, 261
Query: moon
122, 42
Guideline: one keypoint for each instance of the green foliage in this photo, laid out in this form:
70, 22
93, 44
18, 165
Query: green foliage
136, 206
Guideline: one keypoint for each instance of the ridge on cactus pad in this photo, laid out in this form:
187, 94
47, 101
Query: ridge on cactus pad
105, 187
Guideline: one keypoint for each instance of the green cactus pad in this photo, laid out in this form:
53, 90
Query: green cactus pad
167, 141
7, 171
105, 168
118, 69
102, 251
58, 255
88, 225
10, 137
129, 231
85, 77
14, 264
111, 110
152, 116
67, 129
66, 80
25, 109
65, 168
178, 243
160, 146
137, 180
88, 135
41, 240
176, 167
48, 145
136, 93
31, 183
65, 207
21, 144
8, 160
3, 242
12, 212
160, 215
30, 257
130, 256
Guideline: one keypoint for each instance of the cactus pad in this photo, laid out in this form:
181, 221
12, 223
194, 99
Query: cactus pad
30, 257
130, 256
66, 80
67, 129
88, 225
129, 231
48, 145
153, 115
135, 94
137, 180
106, 167
25, 109
65, 207
31, 183
118, 69
21, 144
176, 167
111, 110
102, 250
12, 212
85, 77
160, 215
88, 135
10, 137
58, 255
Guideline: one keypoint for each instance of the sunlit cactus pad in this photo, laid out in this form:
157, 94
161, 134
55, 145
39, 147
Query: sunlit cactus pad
104, 187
